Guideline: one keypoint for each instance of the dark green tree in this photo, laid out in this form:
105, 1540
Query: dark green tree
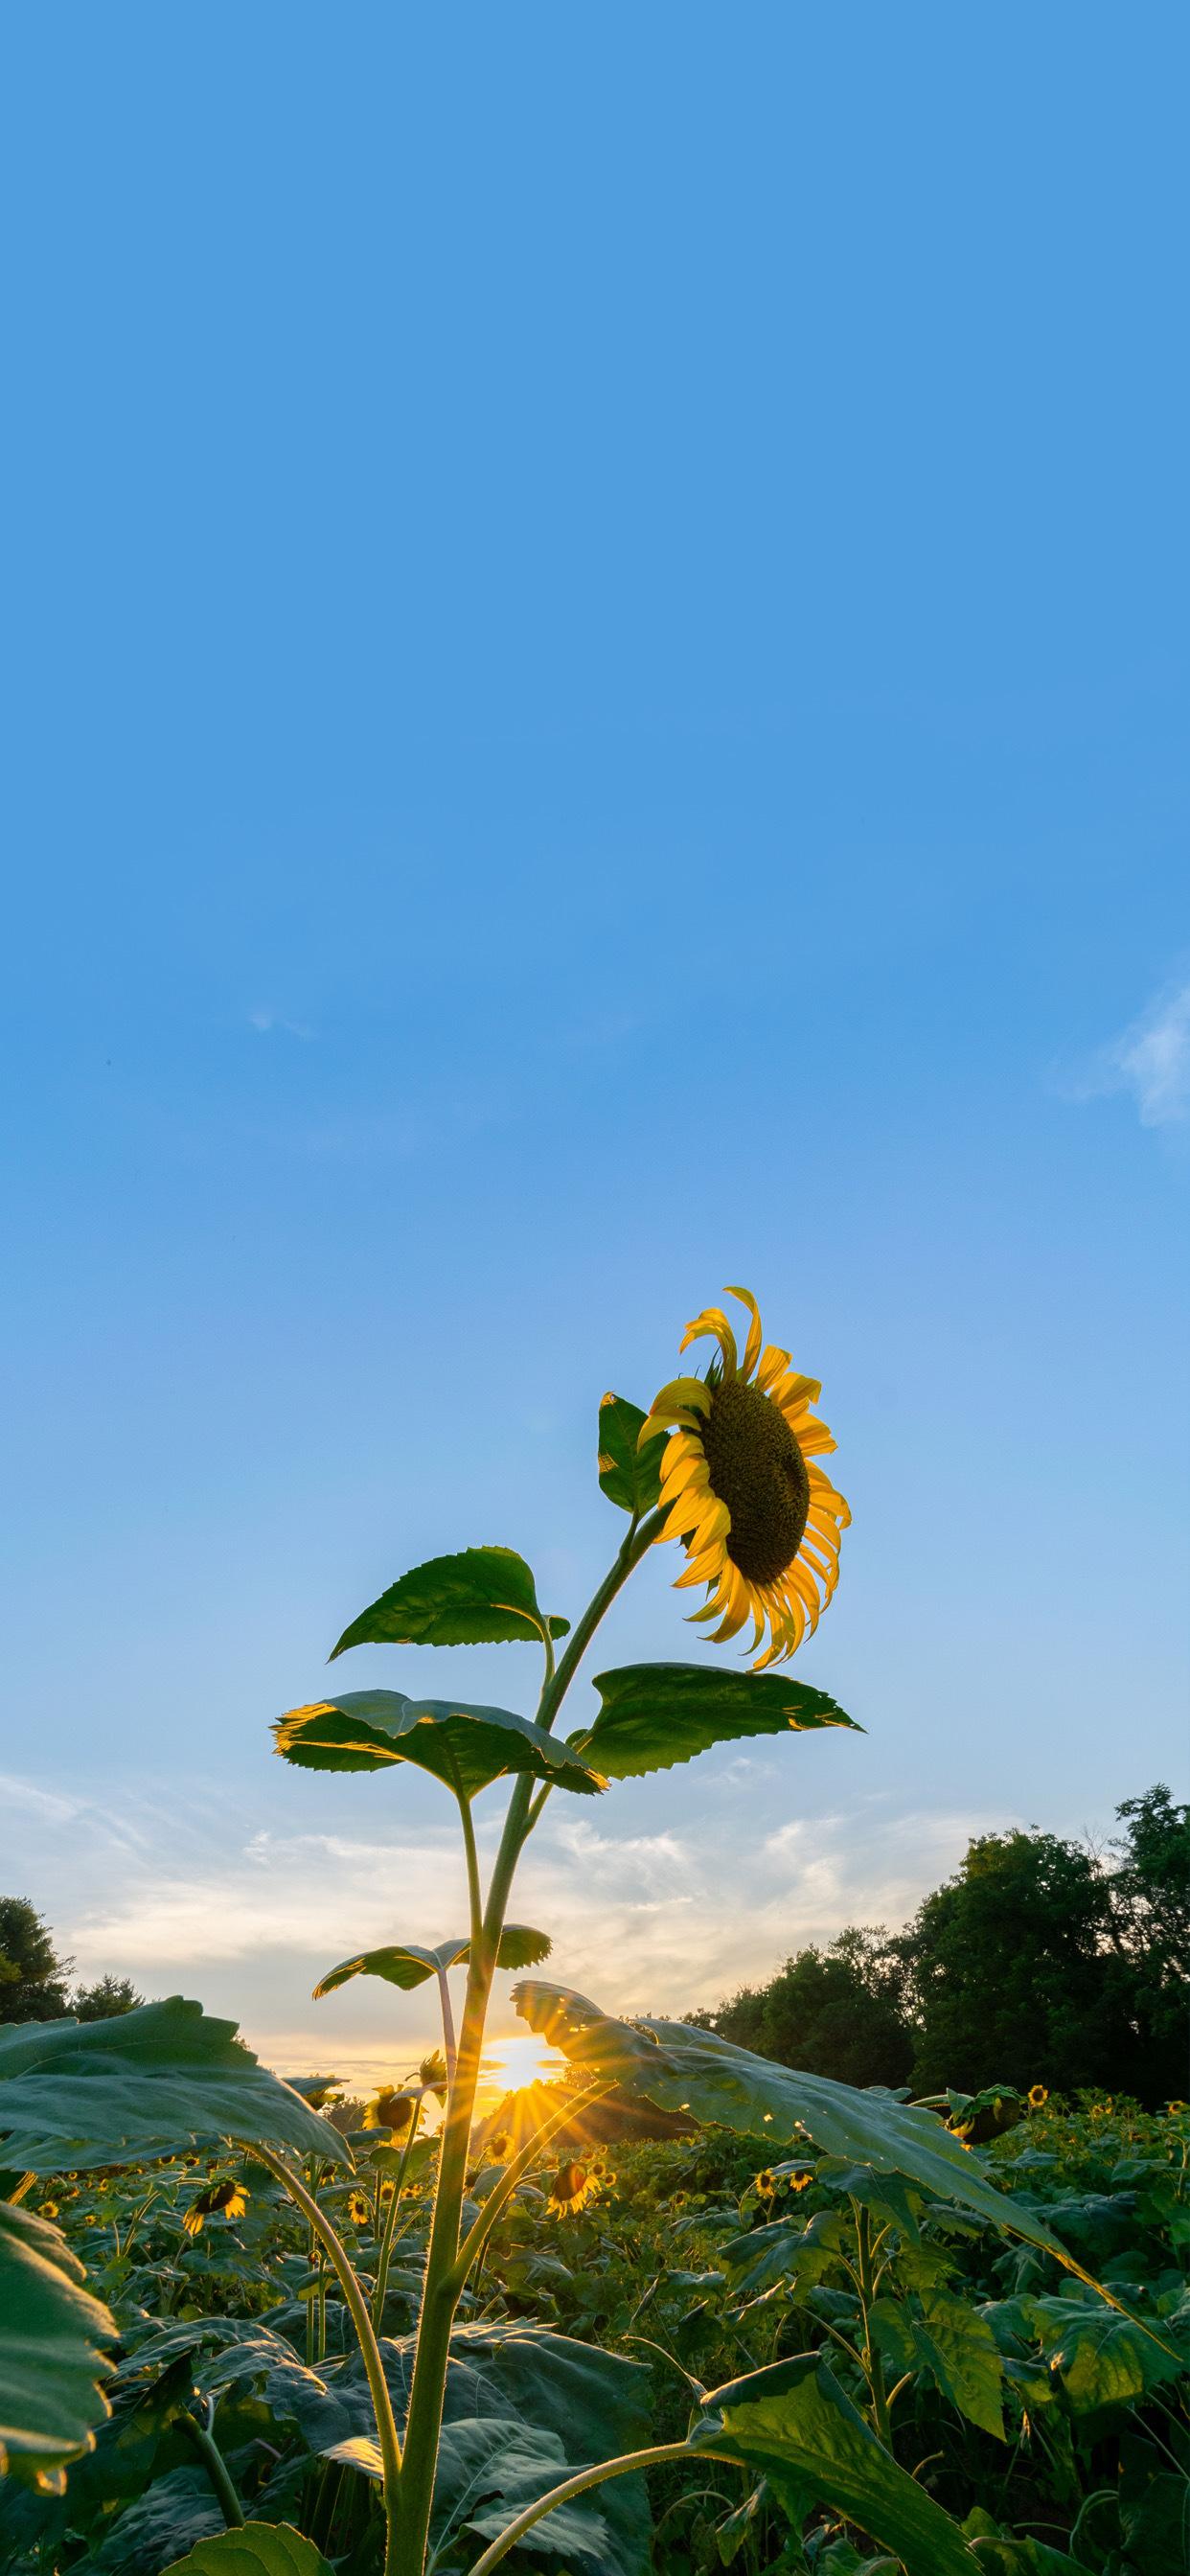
1016, 1977
105, 1999
32, 1977
1148, 1885
838, 2011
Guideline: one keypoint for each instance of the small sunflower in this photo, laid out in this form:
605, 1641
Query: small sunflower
765, 2185
389, 2109
498, 2148
359, 2209
570, 2189
760, 1523
432, 2075
48, 2209
800, 2181
1174, 2107
1038, 2097
222, 2200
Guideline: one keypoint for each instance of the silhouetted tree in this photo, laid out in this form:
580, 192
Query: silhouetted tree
32, 1977
108, 1997
838, 2011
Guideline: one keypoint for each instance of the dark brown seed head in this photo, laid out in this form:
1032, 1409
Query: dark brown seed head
758, 1470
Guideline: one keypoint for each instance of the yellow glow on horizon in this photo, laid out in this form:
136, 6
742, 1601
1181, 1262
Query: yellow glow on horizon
511, 2065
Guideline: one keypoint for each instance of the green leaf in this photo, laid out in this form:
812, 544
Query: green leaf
654, 1715
681, 2069
484, 1597
146, 2083
960, 2350
597, 2404
465, 1748
1101, 2358
793, 2420
629, 1476
410, 1965
51, 2360
259, 2549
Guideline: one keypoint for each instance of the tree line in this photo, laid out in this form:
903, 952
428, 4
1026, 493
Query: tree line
1041, 1961
35, 1982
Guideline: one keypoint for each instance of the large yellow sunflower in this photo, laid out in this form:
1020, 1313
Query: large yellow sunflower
759, 1521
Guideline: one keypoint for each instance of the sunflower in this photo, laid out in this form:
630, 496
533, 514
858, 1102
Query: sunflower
359, 2209
223, 2200
759, 1521
432, 2075
800, 2181
765, 2185
570, 2189
1038, 2097
388, 2109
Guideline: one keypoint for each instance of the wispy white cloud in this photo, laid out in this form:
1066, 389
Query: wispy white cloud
1150, 1060
265, 1020
184, 1891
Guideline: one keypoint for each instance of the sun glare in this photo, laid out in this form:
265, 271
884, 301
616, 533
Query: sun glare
510, 2065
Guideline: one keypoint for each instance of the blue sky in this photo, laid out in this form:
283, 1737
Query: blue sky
594, 653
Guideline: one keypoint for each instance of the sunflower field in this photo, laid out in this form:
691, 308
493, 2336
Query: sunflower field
685, 2308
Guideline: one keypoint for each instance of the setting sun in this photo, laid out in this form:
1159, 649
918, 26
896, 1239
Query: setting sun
510, 2065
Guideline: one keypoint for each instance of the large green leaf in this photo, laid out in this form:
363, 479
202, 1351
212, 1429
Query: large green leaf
51, 2360
954, 2344
409, 1965
259, 2549
465, 1748
146, 2083
596, 2405
629, 1476
654, 1715
484, 1597
681, 2069
1100, 2357
795, 2422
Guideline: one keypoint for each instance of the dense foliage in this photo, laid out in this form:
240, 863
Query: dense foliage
1051, 2427
1038, 1952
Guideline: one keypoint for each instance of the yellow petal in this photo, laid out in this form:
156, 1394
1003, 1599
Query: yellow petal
713, 1320
752, 1346
701, 1569
687, 1473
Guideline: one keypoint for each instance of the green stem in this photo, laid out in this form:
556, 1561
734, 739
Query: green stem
579, 2484
502, 2192
640, 1538
382, 2405
873, 2363
216, 2468
442, 2285
390, 2221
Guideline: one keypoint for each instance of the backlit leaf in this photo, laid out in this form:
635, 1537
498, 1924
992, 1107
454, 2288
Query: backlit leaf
794, 2421
259, 2549
410, 1965
629, 1476
654, 1715
682, 2069
145, 2083
466, 1748
486, 1596
52, 2334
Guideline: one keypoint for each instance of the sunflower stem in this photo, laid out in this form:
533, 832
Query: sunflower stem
390, 2220
382, 2405
639, 1539
476, 2242
408, 2536
578, 2485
